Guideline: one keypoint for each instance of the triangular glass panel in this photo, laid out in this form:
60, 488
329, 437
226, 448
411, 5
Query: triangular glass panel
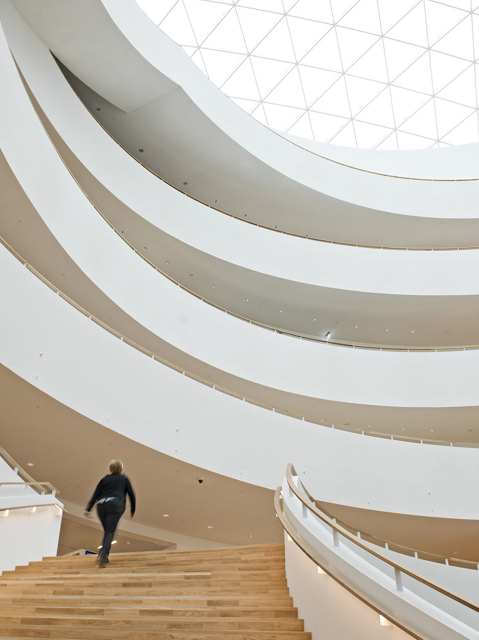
372, 65
205, 16
334, 101
264, 5
246, 105
379, 111
198, 60
313, 10
363, 16
316, 82
391, 12
462, 89
445, 68
156, 11
177, 25
190, 50
449, 115
389, 144
458, 42
256, 24
361, 92
408, 141
289, 91
346, 137
277, 44
242, 83
440, 20
353, 44
227, 36
369, 135
399, 56
324, 126
259, 114
340, 7
417, 77
268, 73
475, 33
423, 122
325, 54
305, 34
465, 132
412, 28
302, 128
405, 103
220, 64
459, 4
281, 118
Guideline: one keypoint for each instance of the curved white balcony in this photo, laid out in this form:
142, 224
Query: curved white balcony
67, 356
176, 109
356, 294
422, 598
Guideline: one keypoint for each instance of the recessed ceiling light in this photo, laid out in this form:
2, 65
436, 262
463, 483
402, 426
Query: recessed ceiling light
386, 329
167, 262
431, 430
98, 109
328, 335
100, 547
247, 299
403, 429
185, 183
314, 319
140, 150
30, 464
281, 310
355, 326
412, 331
216, 201
191, 274
166, 515
210, 527
214, 286
114, 541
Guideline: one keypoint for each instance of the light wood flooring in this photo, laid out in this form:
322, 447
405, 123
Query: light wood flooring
234, 593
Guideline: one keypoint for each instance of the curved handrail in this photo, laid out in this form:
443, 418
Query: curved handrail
308, 551
14, 465
299, 336
400, 548
225, 390
289, 233
367, 547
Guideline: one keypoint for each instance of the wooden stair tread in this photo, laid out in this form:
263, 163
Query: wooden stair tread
232, 593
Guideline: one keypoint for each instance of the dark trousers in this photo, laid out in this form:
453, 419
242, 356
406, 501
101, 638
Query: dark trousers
109, 513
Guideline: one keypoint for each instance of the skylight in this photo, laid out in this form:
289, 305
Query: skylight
386, 74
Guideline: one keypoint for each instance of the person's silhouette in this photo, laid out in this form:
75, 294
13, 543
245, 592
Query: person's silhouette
110, 498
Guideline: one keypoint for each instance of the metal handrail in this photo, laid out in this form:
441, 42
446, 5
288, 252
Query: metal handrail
299, 336
400, 548
20, 471
289, 233
398, 566
312, 555
217, 387
31, 506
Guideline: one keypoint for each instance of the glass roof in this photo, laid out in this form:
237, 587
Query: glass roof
387, 74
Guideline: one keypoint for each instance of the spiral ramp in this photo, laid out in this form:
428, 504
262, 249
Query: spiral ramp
192, 292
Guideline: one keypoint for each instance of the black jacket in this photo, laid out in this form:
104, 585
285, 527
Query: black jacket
114, 485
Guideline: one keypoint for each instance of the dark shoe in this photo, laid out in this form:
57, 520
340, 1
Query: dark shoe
100, 559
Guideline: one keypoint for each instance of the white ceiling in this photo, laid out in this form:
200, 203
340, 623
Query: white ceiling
360, 73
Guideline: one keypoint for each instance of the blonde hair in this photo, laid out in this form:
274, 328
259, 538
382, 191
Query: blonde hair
115, 466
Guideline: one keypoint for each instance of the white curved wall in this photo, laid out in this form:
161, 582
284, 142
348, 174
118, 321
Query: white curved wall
220, 236
97, 375
262, 357
147, 50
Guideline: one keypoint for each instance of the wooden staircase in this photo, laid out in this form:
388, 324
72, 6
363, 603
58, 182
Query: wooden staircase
235, 593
